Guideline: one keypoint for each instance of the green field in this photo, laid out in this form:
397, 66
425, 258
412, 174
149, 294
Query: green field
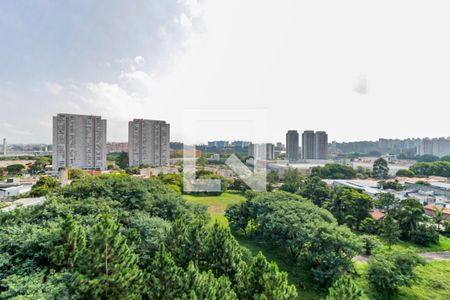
216, 204
444, 245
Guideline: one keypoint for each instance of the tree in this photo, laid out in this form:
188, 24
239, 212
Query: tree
263, 280
387, 202
222, 252
316, 190
238, 185
390, 230
38, 167
15, 169
238, 216
370, 243
122, 160
389, 271
73, 245
380, 169
445, 158
293, 180
345, 289
203, 285
438, 216
427, 158
165, 279
405, 173
410, 214
44, 186
351, 206
333, 171
75, 174
109, 267
273, 177
426, 235
438, 168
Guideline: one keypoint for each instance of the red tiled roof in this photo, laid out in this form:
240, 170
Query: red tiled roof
377, 214
94, 172
431, 208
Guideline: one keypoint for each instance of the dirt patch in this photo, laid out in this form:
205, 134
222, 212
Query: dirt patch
216, 208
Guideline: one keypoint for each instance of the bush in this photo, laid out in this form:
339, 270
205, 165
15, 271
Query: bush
334, 171
405, 173
370, 244
345, 289
389, 271
425, 236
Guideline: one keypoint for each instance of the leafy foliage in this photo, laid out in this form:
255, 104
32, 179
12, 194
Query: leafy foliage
333, 171
389, 271
351, 206
380, 168
308, 233
345, 289
116, 237
437, 168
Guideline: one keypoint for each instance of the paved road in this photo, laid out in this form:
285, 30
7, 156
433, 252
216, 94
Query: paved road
24, 203
429, 256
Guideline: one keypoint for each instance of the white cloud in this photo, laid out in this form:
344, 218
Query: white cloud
300, 62
139, 60
360, 85
6, 125
54, 88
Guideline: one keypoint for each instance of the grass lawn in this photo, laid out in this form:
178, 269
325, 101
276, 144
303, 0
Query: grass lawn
444, 245
216, 204
434, 283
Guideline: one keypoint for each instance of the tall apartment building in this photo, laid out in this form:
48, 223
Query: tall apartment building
79, 141
314, 145
262, 151
320, 145
148, 142
308, 142
439, 147
292, 145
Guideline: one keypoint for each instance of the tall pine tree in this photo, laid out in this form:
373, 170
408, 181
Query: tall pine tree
109, 269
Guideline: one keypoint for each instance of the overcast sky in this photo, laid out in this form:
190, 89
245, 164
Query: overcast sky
357, 69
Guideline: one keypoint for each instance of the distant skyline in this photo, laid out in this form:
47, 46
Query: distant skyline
360, 70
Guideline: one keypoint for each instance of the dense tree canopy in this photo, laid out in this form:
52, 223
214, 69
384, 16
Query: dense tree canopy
308, 233
117, 237
351, 206
15, 169
334, 171
438, 168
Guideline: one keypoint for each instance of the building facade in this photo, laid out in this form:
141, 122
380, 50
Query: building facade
292, 145
79, 141
314, 145
308, 141
148, 142
262, 151
320, 145
439, 147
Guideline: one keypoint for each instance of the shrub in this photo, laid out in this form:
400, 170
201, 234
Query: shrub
389, 271
425, 236
370, 244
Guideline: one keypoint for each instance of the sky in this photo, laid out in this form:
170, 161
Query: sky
359, 69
